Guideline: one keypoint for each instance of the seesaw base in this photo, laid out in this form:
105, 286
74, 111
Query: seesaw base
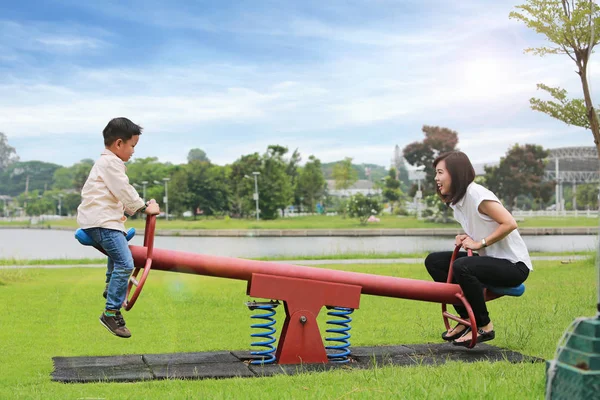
226, 364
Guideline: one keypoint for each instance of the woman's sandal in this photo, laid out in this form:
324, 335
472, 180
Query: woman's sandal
455, 335
482, 336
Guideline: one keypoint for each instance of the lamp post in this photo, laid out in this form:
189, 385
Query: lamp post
144, 183
166, 198
256, 174
417, 175
255, 195
59, 198
4, 210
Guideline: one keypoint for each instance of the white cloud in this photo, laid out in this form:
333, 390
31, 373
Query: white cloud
69, 43
463, 69
38, 37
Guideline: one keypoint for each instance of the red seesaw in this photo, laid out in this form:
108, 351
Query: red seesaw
303, 290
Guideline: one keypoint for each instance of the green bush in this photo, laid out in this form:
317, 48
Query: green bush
400, 210
436, 210
362, 207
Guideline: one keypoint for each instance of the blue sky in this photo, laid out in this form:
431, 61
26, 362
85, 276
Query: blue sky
332, 78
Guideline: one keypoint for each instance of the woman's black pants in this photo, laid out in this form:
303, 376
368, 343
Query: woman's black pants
471, 273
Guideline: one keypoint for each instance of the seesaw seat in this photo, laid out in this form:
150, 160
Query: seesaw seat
86, 240
507, 291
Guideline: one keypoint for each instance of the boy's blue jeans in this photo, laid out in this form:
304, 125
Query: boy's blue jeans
119, 266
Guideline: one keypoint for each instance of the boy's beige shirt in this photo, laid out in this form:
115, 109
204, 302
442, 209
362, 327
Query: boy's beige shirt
107, 195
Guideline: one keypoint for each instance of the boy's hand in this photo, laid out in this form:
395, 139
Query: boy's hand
153, 208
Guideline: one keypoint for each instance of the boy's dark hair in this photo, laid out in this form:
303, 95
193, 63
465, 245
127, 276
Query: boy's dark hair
461, 173
120, 128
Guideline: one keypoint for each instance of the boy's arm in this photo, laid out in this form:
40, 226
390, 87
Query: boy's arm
118, 183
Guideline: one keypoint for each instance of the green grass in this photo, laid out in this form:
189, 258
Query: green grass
47, 313
558, 222
340, 256
52, 261
318, 222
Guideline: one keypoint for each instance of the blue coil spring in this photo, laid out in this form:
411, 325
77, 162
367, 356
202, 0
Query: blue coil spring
267, 355
339, 352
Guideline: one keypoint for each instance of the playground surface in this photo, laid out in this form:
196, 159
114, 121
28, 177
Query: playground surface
225, 364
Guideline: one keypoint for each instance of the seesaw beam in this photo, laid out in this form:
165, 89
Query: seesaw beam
241, 269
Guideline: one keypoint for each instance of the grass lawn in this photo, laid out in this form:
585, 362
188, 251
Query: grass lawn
317, 222
339, 256
49, 313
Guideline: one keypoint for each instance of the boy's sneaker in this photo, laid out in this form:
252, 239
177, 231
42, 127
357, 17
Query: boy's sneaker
115, 324
105, 294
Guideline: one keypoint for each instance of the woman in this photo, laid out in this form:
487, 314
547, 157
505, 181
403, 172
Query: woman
503, 259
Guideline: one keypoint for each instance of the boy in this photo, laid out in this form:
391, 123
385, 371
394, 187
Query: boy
105, 198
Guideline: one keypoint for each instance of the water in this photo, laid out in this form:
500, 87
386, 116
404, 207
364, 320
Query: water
48, 244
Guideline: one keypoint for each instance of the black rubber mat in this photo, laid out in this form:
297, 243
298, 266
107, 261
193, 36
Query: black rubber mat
226, 364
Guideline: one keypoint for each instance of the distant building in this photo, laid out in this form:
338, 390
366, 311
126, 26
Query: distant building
479, 168
363, 186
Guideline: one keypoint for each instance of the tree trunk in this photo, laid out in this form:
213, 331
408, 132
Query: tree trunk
591, 113
593, 117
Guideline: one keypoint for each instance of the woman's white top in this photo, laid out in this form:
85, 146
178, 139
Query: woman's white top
479, 226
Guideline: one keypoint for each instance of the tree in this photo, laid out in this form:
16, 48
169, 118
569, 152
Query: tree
148, 169
376, 172
197, 155
8, 154
362, 207
81, 171
344, 174
400, 166
311, 183
587, 196
437, 140
569, 25
520, 172
70, 202
292, 171
391, 188
63, 179
200, 186
274, 184
571, 112
27, 176
241, 188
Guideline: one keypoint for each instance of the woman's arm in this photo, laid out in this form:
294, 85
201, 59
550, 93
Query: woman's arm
497, 212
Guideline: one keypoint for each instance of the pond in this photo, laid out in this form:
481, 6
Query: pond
48, 244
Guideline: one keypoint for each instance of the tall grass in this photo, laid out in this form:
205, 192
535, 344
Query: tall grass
47, 313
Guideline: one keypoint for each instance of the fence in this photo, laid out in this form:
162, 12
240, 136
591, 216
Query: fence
553, 213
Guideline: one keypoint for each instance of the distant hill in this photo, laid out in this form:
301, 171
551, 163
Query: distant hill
377, 171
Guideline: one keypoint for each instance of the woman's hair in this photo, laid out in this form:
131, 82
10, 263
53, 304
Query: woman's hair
461, 173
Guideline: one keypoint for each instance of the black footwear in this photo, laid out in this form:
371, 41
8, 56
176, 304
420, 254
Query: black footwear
105, 294
482, 336
449, 338
115, 324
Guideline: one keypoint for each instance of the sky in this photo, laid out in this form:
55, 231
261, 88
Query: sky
333, 79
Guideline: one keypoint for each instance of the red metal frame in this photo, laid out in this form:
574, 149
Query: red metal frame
446, 315
149, 246
300, 340
487, 294
241, 269
304, 291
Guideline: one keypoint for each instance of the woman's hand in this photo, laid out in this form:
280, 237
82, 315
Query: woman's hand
469, 243
459, 239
